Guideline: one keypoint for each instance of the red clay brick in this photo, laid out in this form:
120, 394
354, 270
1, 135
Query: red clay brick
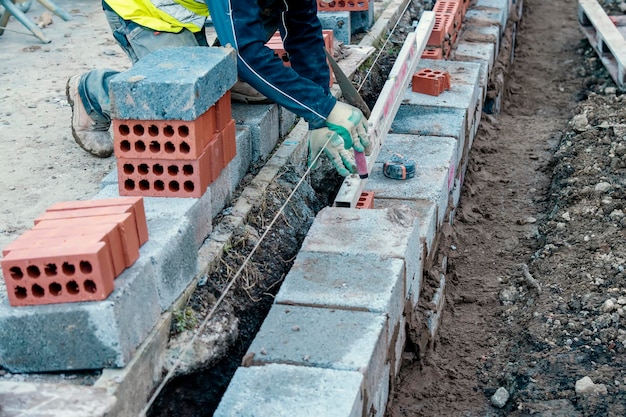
450, 8
276, 45
136, 202
125, 223
229, 137
167, 178
98, 211
366, 201
431, 82
425, 82
107, 234
442, 30
223, 114
163, 139
434, 53
343, 5
61, 274
216, 156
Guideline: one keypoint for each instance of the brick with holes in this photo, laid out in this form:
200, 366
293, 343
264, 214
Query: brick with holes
163, 139
171, 178
98, 211
125, 223
109, 234
136, 202
60, 274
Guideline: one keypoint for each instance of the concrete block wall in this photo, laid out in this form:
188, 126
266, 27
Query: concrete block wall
438, 132
354, 270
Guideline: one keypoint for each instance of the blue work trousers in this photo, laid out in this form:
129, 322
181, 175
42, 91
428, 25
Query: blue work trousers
246, 25
137, 41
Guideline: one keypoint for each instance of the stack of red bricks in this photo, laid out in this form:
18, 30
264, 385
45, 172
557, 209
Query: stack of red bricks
75, 251
276, 45
449, 16
171, 158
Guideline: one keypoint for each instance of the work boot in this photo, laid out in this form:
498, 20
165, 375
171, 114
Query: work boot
243, 92
93, 136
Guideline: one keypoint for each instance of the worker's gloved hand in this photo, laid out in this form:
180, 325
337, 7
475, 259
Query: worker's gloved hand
351, 125
341, 158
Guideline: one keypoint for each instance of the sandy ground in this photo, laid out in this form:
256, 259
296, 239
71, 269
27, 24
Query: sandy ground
41, 162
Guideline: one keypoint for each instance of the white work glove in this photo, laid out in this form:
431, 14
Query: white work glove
351, 125
335, 150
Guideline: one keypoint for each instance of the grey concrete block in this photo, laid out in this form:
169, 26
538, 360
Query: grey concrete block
480, 33
490, 10
433, 317
435, 158
221, 192
44, 399
361, 21
390, 232
262, 120
429, 121
397, 347
173, 84
292, 391
240, 164
339, 22
475, 52
425, 211
459, 96
455, 196
346, 282
379, 401
494, 4
324, 338
111, 179
196, 210
86, 335
287, 121
173, 254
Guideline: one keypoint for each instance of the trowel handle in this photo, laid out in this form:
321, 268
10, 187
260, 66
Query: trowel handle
361, 164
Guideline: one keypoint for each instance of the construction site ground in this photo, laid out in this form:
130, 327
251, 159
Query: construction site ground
544, 189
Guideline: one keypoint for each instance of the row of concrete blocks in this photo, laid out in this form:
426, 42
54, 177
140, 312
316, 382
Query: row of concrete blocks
337, 329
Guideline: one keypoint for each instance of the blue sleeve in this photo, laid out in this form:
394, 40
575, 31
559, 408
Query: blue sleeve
238, 23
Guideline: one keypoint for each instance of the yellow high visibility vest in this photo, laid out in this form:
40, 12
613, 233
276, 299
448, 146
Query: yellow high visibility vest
163, 15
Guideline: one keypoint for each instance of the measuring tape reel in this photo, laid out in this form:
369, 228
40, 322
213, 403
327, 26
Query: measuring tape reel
399, 167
